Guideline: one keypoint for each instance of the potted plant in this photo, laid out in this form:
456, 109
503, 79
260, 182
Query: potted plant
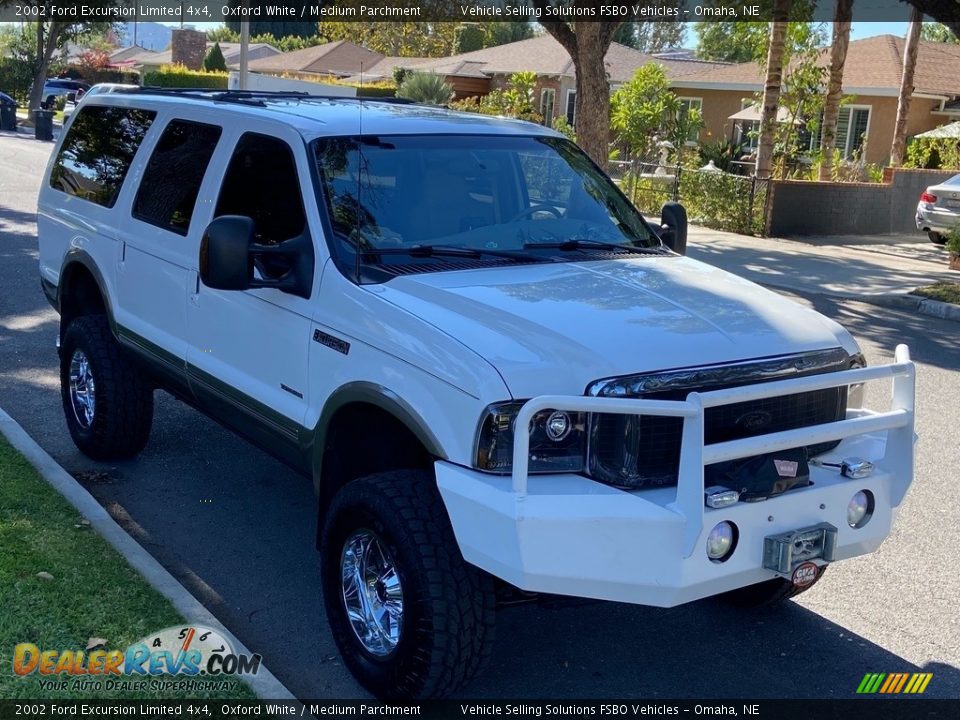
953, 247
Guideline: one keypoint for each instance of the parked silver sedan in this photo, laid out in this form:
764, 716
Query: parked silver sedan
938, 211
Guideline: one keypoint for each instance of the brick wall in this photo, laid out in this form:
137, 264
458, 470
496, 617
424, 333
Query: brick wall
188, 47
800, 207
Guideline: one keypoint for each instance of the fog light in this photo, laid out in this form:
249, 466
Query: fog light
721, 541
860, 509
558, 425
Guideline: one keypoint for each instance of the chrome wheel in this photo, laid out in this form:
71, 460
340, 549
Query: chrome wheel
82, 389
372, 594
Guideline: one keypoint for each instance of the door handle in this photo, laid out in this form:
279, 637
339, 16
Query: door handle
193, 284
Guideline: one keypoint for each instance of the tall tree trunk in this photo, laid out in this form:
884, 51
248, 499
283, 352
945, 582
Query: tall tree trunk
47, 40
842, 16
587, 43
771, 88
906, 89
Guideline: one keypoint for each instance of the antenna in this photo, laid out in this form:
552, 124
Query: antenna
359, 168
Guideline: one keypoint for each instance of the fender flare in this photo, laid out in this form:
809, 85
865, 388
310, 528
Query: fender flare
78, 256
381, 397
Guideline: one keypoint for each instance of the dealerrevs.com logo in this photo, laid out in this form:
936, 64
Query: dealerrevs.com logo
174, 651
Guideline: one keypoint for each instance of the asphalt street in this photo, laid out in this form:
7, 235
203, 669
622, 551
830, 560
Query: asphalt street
237, 528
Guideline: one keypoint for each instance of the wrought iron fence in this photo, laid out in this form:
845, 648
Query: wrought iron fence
712, 198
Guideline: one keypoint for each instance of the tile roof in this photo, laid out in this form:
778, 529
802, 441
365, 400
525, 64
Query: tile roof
872, 63
545, 56
335, 58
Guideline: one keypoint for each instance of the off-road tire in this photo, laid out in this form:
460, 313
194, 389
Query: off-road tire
448, 605
767, 593
124, 398
936, 237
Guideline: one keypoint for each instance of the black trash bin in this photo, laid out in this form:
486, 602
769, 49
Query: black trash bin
8, 112
8, 117
43, 124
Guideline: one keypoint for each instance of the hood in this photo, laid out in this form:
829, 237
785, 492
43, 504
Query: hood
556, 327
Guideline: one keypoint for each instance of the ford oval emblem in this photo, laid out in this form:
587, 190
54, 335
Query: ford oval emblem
754, 420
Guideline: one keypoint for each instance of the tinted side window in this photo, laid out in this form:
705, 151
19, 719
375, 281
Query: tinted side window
261, 183
168, 190
98, 150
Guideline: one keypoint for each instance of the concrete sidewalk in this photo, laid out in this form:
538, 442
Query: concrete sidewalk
869, 268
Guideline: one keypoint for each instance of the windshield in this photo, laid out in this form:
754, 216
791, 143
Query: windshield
486, 193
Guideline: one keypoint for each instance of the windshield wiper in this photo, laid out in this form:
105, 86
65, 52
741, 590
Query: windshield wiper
581, 244
452, 251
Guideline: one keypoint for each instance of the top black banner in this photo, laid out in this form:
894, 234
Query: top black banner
196, 11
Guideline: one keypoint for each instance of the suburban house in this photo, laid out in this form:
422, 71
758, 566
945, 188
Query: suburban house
728, 95
143, 61
479, 72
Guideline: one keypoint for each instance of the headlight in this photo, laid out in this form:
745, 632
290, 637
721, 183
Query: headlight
855, 392
557, 440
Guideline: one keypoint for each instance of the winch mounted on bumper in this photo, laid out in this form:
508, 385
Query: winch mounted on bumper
570, 535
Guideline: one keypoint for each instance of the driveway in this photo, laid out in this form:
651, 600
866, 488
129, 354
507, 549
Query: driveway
237, 528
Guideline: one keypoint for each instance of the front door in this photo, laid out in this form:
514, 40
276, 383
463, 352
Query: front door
248, 350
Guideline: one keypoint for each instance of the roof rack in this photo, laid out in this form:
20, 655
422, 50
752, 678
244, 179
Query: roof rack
252, 97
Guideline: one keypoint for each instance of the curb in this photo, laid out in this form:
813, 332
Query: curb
264, 684
908, 301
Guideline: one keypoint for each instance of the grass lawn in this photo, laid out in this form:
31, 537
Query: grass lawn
93, 592
948, 292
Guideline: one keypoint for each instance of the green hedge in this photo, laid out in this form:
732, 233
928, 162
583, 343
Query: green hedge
177, 76
713, 199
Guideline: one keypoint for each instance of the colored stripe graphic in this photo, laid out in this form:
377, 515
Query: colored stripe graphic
894, 683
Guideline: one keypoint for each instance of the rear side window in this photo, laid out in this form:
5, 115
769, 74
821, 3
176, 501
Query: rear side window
97, 152
168, 190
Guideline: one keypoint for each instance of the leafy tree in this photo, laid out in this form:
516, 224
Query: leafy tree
503, 32
214, 61
47, 37
404, 39
468, 37
730, 41
842, 16
938, 32
651, 37
277, 28
587, 43
645, 110
943, 11
425, 88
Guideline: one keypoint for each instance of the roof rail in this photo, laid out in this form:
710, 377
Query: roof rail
255, 97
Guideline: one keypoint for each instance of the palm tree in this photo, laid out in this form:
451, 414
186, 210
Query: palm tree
771, 88
842, 16
906, 88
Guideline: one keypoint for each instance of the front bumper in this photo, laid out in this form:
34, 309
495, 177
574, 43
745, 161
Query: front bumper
567, 534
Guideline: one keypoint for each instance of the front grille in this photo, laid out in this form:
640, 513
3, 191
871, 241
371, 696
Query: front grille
644, 451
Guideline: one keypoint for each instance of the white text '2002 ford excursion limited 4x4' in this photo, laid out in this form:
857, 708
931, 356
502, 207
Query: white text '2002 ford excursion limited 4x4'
497, 374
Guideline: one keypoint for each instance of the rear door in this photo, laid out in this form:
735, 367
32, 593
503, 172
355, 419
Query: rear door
160, 240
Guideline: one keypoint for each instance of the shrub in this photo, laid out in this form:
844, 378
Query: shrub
723, 201
427, 88
177, 76
934, 153
516, 100
214, 61
953, 240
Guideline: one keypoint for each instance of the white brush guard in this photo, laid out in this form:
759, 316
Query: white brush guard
570, 535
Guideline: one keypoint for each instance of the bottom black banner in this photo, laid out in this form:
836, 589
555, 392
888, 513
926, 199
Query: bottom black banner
860, 709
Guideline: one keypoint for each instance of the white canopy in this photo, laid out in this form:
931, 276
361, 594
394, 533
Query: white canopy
951, 130
751, 113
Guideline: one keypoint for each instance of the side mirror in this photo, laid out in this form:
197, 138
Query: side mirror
228, 252
673, 227
225, 259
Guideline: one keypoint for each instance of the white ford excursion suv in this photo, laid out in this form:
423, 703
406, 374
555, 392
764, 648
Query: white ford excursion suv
497, 374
